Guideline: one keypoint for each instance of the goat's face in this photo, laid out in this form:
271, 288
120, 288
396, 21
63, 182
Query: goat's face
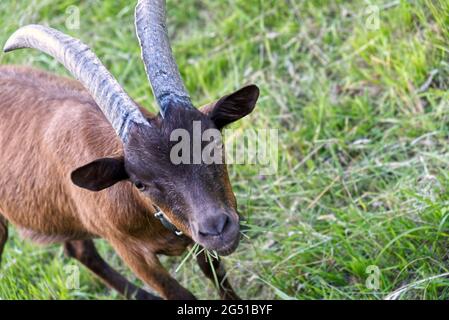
194, 193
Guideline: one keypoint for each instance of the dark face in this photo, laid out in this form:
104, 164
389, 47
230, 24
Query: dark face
196, 197
193, 192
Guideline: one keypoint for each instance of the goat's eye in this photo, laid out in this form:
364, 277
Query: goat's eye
139, 185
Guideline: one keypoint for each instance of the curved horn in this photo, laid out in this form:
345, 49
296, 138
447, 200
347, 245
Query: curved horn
77, 57
157, 55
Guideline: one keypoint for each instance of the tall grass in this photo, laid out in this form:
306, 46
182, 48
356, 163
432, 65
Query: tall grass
362, 115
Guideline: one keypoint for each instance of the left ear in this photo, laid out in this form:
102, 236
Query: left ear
232, 107
100, 174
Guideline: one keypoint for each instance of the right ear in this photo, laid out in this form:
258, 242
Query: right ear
100, 174
232, 107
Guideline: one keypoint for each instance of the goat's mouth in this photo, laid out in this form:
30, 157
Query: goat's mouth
223, 248
223, 243
229, 247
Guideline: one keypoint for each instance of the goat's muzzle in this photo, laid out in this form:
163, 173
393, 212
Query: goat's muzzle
218, 232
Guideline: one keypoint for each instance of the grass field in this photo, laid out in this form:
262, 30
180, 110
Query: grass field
361, 105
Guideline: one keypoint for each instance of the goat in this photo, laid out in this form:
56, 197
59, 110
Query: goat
82, 160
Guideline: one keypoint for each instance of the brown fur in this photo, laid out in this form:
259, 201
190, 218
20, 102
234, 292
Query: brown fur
50, 126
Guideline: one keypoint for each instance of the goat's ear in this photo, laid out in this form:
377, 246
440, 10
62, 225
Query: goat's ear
100, 174
232, 107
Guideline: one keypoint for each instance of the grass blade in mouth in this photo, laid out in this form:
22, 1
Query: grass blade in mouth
191, 252
209, 256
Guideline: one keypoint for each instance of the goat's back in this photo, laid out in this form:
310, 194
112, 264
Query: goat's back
49, 126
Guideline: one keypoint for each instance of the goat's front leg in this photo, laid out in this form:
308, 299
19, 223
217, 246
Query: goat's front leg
147, 267
225, 289
3, 234
85, 252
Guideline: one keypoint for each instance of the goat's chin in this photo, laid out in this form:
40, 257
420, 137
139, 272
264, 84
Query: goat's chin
227, 250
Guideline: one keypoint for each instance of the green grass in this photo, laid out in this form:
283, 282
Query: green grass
363, 154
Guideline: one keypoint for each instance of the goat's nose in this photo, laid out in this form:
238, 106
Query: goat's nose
213, 226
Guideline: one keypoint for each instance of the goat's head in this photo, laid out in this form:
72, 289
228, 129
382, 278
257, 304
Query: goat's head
196, 196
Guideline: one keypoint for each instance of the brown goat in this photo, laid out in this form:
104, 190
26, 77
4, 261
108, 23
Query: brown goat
82, 161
